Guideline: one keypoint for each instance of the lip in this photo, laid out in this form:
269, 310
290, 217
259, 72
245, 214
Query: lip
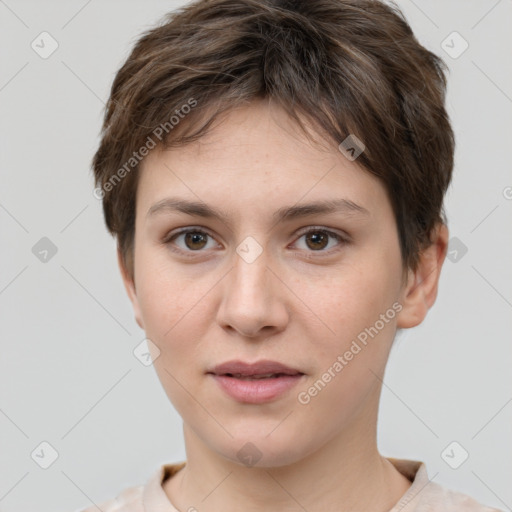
262, 367
255, 391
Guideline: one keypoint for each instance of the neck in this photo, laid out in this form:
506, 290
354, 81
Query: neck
346, 474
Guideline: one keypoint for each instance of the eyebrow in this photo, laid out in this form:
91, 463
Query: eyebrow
287, 213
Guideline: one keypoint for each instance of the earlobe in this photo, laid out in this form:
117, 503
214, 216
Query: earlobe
130, 288
420, 292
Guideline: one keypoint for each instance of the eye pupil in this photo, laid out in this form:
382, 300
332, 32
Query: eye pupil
317, 236
195, 237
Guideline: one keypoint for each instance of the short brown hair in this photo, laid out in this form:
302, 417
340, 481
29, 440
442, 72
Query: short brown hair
351, 67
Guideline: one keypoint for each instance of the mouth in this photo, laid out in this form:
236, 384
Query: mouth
255, 383
259, 370
259, 377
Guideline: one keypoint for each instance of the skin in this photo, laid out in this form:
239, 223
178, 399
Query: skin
297, 303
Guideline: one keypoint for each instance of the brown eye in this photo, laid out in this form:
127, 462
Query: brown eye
189, 240
195, 240
321, 241
317, 240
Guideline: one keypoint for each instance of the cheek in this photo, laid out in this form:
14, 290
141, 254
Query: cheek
357, 307
347, 360
356, 299
164, 295
172, 308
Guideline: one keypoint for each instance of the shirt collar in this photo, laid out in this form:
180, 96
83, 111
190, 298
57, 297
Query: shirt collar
155, 499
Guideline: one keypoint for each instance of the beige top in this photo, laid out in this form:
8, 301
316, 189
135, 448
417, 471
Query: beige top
422, 496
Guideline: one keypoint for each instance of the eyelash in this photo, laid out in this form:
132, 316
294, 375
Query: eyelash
315, 229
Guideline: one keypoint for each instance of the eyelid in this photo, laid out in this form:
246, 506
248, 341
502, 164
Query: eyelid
179, 231
344, 236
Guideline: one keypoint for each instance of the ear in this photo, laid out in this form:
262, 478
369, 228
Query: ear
130, 287
420, 291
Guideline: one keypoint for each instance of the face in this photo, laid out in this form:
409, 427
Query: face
301, 290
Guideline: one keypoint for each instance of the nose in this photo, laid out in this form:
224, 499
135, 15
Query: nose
254, 298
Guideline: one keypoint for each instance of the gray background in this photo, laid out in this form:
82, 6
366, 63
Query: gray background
68, 375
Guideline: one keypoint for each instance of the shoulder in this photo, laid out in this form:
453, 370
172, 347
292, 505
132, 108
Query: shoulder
424, 495
129, 500
139, 498
440, 499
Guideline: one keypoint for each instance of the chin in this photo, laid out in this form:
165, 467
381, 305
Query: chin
262, 451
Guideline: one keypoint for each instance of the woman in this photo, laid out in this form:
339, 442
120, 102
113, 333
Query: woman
274, 172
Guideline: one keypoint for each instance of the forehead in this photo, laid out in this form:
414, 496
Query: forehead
256, 155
